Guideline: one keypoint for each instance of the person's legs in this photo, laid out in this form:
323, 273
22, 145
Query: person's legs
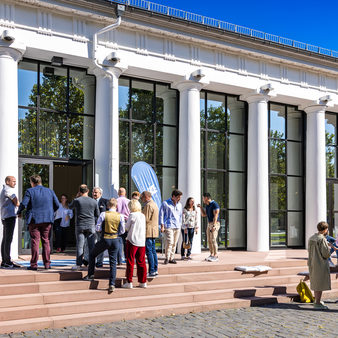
149, 252
169, 235
58, 233
318, 296
120, 251
209, 238
99, 247
191, 232
130, 258
64, 237
112, 250
44, 229
141, 264
80, 240
35, 240
8, 230
153, 242
214, 239
176, 235
183, 241
99, 258
91, 238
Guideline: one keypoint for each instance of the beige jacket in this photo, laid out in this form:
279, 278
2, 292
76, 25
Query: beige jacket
318, 263
150, 211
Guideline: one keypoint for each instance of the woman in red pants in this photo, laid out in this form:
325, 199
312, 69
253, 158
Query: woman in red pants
135, 245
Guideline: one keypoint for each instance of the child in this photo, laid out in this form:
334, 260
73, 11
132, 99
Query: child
333, 241
319, 270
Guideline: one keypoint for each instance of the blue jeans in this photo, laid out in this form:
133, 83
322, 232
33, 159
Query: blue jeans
151, 255
112, 245
332, 240
120, 257
190, 235
81, 236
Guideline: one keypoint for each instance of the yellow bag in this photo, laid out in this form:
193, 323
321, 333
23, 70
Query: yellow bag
304, 292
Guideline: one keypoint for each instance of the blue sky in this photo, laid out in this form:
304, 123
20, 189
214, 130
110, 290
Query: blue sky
313, 22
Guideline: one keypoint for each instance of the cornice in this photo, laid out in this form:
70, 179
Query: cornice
181, 27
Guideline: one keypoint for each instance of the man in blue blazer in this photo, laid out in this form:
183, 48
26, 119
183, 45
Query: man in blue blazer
41, 203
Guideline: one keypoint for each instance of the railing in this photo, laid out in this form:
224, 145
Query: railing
200, 19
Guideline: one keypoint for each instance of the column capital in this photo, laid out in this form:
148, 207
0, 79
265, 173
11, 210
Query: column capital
319, 105
115, 71
14, 52
262, 94
188, 85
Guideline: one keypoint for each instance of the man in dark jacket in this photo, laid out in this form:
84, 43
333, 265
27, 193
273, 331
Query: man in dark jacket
86, 213
41, 203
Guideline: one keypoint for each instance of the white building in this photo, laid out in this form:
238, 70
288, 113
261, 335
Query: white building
247, 116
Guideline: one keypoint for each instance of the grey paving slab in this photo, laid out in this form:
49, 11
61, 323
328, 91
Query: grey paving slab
279, 320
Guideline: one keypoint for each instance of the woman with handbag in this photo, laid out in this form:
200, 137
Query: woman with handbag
189, 227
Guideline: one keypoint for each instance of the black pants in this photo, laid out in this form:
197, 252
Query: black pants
113, 246
61, 235
7, 237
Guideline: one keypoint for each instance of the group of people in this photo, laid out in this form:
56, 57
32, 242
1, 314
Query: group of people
122, 226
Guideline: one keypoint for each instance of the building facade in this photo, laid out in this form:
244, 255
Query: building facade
249, 117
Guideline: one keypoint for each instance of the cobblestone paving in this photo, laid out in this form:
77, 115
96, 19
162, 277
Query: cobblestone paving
280, 320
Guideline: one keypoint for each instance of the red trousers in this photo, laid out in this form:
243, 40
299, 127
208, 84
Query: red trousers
138, 252
36, 231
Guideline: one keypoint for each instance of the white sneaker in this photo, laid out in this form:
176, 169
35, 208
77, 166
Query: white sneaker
208, 258
215, 259
127, 285
76, 267
143, 285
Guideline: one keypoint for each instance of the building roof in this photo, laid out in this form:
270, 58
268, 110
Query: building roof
240, 31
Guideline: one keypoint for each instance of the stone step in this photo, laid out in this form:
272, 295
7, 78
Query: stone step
182, 268
103, 302
126, 314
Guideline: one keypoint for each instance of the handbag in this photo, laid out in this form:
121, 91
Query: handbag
186, 244
304, 292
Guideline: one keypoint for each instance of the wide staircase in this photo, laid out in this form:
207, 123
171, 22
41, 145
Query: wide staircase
58, 298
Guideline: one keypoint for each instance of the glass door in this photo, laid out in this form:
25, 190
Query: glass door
27, 168
332, 206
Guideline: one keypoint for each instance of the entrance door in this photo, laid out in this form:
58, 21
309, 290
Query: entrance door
63, 178
27, 168
332, 206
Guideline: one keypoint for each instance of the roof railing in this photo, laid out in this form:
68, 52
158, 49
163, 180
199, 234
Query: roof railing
204, 20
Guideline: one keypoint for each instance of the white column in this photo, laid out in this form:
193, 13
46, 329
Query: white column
169, 109
107, 132
189, 167
315, 169
258, 173
9, 123
89, 95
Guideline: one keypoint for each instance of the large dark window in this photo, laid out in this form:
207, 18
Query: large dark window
286, 153
331, 172
223, 164
148, 114
56, 111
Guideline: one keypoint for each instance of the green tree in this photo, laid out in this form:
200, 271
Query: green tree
53, 120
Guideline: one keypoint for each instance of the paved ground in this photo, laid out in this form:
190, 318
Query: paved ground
284, 320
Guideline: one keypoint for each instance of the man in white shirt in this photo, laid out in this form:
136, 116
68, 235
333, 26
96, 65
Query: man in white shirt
9, 203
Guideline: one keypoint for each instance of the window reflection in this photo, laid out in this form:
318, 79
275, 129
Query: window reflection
330, 128
142, 101
27, 84
60, 95
52, 134
277, 121
148, 130
53, 88
27, 131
